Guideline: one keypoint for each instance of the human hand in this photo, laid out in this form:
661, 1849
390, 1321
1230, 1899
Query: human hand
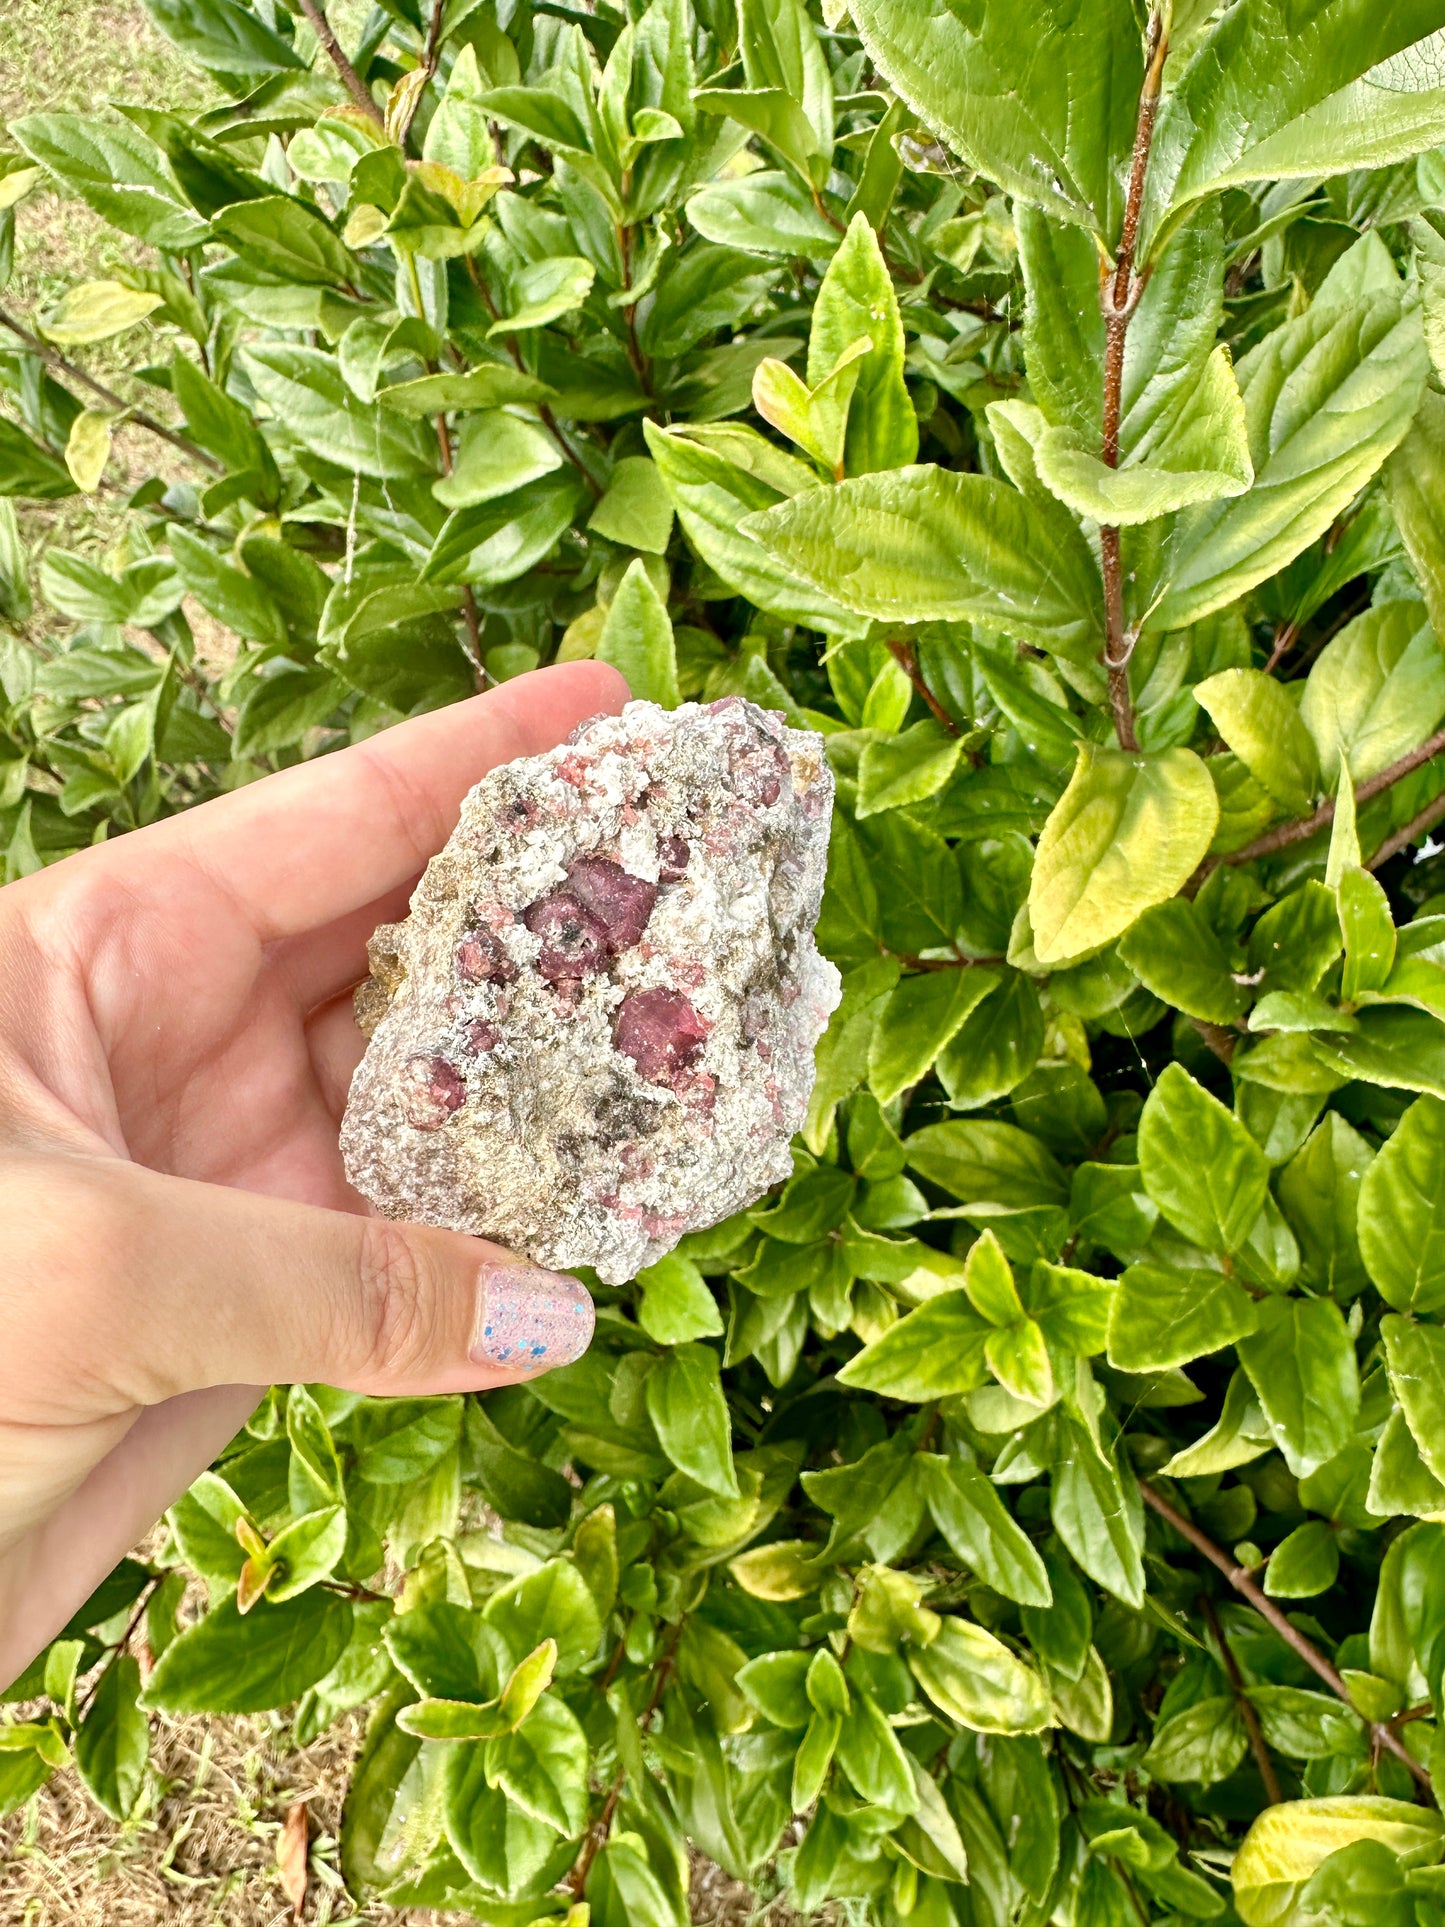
176, 1043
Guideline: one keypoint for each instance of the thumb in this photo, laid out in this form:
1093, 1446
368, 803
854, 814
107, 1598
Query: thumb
178, 1286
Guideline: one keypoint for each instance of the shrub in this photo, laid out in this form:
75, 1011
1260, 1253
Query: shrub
1035, 1511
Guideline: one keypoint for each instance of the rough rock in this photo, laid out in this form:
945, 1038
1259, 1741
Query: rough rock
595, 1030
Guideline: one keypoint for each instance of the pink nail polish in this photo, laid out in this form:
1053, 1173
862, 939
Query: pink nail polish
531, 1320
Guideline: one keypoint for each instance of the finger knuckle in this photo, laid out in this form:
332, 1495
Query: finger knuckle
395, 1302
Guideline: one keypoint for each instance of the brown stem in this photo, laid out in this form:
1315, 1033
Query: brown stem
1283, 834
549, 420
827, 213
1119, 299
1380, 1733
942, 963
83, 1706
350, 79
54, 359
1222, 1041
903, 654
1425, 819
635, 356
597, 1836
1247, 1710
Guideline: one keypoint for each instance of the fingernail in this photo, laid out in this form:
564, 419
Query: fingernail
531, 1320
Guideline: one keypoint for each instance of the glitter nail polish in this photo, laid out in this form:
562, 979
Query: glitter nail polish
531, 1320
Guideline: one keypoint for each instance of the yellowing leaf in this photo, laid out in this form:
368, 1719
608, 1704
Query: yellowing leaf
1128, 832
87, 449
96, 310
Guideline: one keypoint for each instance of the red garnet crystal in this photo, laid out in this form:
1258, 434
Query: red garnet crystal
574, 944
620, 902
660, 1031
431, 1090
672, 854
482, 960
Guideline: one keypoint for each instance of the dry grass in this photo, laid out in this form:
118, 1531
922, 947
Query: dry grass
203, 1852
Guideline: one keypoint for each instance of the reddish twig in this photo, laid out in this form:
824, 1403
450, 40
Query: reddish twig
903, 654
1381, 1734
54, 359
1247, 1710
335, 53
1423, 820
1119, 298
1283, 834
597, 1835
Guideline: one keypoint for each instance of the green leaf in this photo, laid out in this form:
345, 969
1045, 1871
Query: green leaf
857, 301
115, 170
1288, 1842
907, 768
1327, 397
95, 311
686, 1405
636, 511
545, 290
1321, 1191
1199, 1164
1203, 1744
229, 593
1203, 457
284, 237
1413, 473
1305, 1562
27, 468
1128, 832
927, 544
227, 1664
990, 1167
1174, 953
973, 1519
496, 542
494, 385
1376, 690
1263, 727
1301, 1363
112, 1744
768, 213
501, 1845
716, 478
676, 1303
935, 1351
1097, 1512
637, 639
1402, 1211
305, 392
815, 418
1048, 114
976, 1680
1416, 1358
1161, 1317
556, 1603
223, 36
918, 1022
1270, 92
496, 453
542, 1766
1369, 928
305, 1552
997, 1046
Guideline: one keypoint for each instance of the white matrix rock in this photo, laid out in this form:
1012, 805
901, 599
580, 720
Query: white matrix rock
595, 1030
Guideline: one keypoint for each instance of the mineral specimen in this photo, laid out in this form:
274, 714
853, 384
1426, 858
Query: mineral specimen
595, 1030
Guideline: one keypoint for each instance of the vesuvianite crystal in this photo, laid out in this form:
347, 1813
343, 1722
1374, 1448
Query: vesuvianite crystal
595, 1030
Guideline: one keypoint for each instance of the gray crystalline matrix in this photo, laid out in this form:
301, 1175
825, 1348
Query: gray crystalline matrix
595, 1030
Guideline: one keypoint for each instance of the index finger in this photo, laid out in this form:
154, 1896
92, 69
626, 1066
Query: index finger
311, 843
